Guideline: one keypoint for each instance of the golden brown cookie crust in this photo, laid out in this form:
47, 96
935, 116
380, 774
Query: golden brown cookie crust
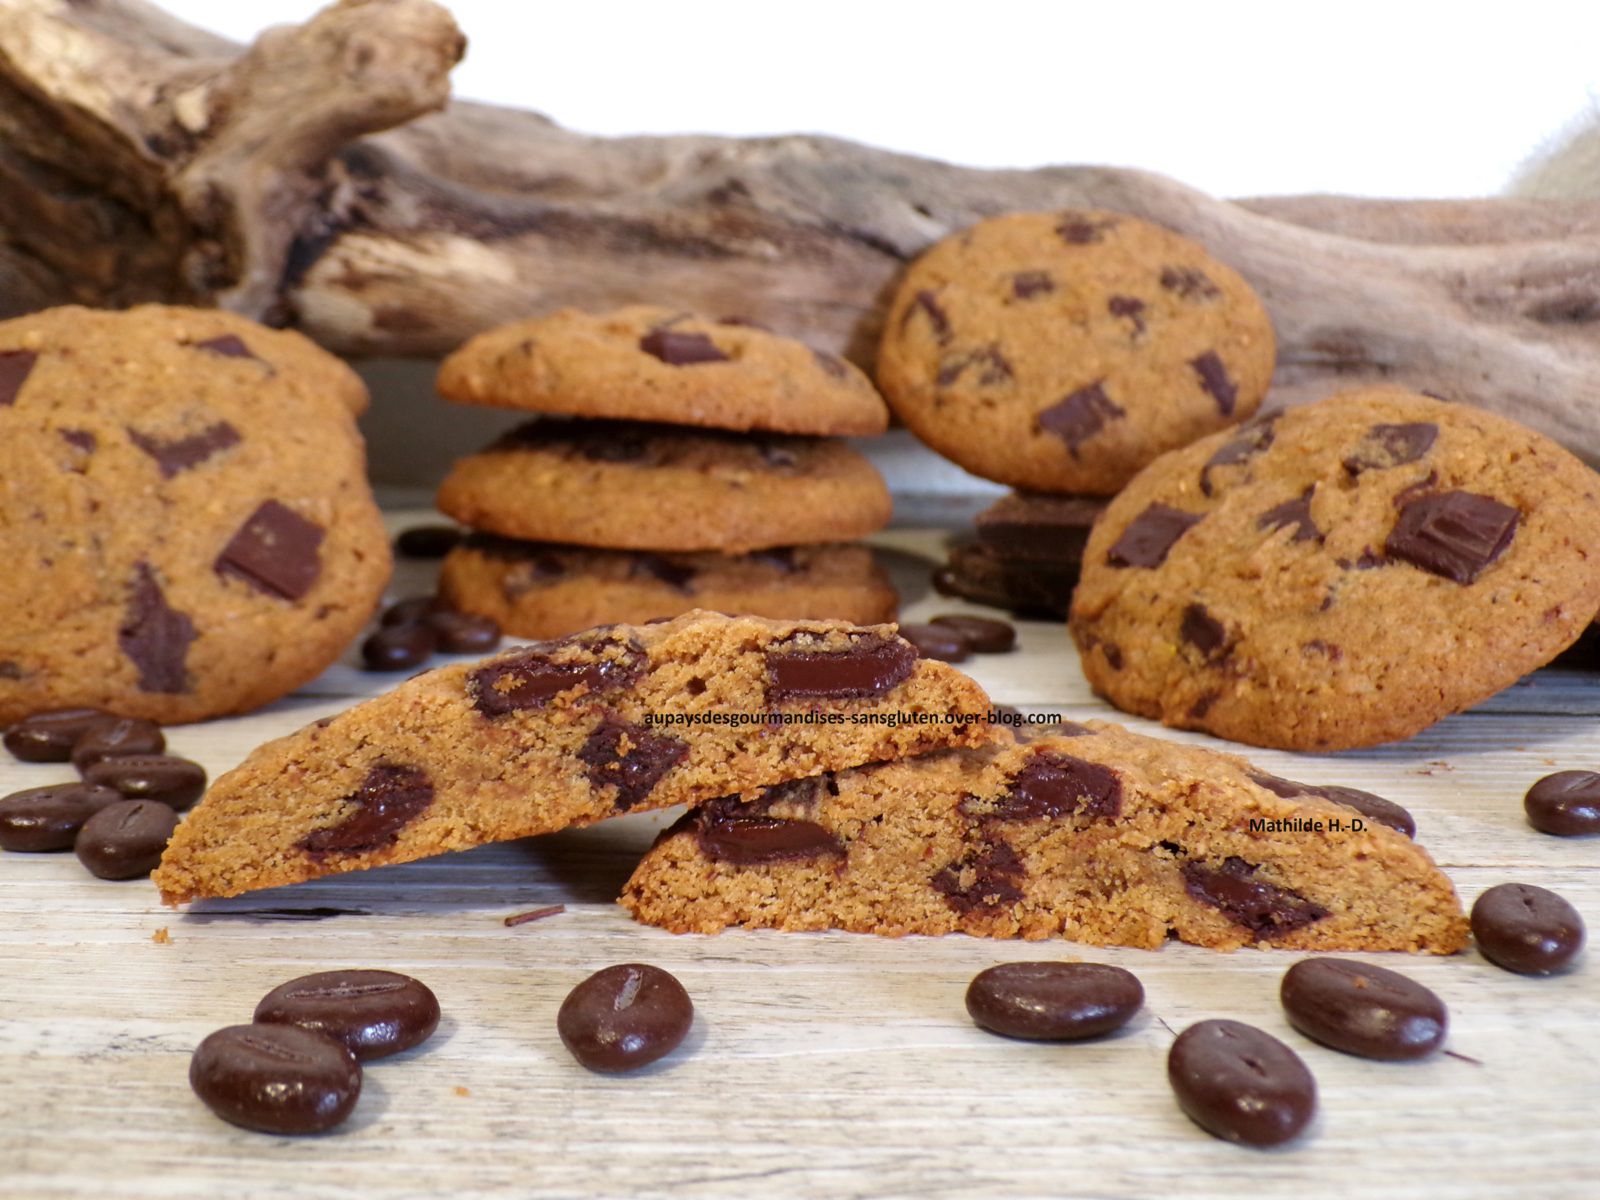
1061, 352
542, 590
556, 734
633, 486
596, 365
1285, 614
967, 841
187, 528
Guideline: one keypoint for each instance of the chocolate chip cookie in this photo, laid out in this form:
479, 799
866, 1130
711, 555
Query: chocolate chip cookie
1061, 352
565, 733
630, 485
544, 590
1087, 832
1340, 575
187, 527
660, 364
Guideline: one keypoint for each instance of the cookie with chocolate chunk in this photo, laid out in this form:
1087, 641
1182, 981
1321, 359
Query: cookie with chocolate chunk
631, 485
562, 733
187, 527
646, 363
1061, 352
1342, 574
1087, 832
545, 590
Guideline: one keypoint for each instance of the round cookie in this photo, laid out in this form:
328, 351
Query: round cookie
1342, 574
1061, 352
660, 364
634, 486
184, 513
544, 591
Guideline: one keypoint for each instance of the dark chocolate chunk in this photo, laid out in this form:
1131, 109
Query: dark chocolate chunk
1384, 812
1130, 307
48, 818
389, 798
115, 737
681, 348
744, 836
781, 558
175, 455
873, 664
1204, 632
984, 634
411, 610
782, 455
124, 840
624, 1017
630, 758
532, 677
1189, 282
990, 367
1079, 416
1051, 785
1368, 1011
9, 669
154, 636
398, 647
427, 541
462, 633
1391, 446
83, 439
1265, 909
1150, 536
979, 573
276, 1078
1025, 285
831, 364
676, 574
1251, 440
1078, 230
1411, 491
15, 366
1296, 513
49, 736
1039, 528
987, 877
1240, 1084
940, 642
1566, 804
1452, 534
175, 782
1526, 929
925, 303
1053, 1001
374, 1013
227, 346
275, 551
1214, 381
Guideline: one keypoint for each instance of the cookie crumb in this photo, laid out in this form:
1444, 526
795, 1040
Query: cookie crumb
461, 1091
161, 937
537, 914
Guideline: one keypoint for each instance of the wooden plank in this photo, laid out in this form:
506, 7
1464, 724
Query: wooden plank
821, 1064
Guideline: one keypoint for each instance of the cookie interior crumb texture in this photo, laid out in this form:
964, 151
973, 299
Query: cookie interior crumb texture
567, 733
1092, 833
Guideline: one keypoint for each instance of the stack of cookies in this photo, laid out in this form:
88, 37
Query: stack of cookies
1059, 353
678, 463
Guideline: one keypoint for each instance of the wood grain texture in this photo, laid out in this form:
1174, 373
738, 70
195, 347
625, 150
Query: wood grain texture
820, 1064
318, 178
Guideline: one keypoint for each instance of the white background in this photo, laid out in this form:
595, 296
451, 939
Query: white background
1397, 98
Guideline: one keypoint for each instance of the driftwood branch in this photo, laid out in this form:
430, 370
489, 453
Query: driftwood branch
141, 159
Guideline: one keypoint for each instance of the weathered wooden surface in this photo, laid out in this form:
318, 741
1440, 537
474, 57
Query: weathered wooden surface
309, 178
820, 1065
